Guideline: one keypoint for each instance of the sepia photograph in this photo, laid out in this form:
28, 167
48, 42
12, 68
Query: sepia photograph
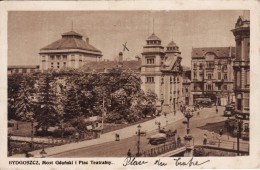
132, 84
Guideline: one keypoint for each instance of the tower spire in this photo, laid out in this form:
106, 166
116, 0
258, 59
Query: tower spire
172, 33
153, 25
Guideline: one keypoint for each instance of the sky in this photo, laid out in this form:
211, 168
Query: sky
29, 31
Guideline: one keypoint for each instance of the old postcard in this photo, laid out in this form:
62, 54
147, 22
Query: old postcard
129, 85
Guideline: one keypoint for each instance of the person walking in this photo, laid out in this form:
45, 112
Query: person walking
205, 139
178, 141
220, 132
129, 154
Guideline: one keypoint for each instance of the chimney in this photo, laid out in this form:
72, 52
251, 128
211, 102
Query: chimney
120, 61
87, 40
137, 57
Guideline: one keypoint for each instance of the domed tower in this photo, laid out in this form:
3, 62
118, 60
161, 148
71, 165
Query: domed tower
152, 59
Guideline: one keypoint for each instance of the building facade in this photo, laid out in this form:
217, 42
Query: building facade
212, 74
186, 86
161, 73
242, 69
22, 69
69, 51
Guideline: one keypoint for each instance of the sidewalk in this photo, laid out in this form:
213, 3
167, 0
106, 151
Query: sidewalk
110, 136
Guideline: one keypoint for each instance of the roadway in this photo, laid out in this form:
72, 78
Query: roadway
120, 148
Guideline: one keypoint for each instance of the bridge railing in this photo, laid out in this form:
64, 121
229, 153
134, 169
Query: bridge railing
243, 146
166, 147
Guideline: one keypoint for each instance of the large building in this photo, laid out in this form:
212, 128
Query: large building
69, 51
242, 69
161, 72
212, 74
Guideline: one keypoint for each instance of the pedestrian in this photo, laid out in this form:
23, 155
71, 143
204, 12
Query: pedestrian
198, 113
221, 132
213, 135
216, 110
77, 137
178, 141
129, 154
205, 139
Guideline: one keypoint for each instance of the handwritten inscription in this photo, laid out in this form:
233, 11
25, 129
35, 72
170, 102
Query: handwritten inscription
189, 163
159, 163
132, 161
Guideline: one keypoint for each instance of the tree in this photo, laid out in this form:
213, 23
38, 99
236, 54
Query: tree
71, 109
25, 105
46, 111
14, 85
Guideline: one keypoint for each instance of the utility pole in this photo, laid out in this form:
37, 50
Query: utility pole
238, 135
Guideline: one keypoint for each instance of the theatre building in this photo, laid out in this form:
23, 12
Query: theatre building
69, 51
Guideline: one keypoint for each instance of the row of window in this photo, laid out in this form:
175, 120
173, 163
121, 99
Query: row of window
209, 64
210, 87
210, 75
153, 42
58, 65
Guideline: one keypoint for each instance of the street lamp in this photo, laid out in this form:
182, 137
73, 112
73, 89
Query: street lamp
138, 142
188, 114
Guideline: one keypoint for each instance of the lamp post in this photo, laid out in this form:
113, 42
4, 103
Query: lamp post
188, 114
138, 142
240, 122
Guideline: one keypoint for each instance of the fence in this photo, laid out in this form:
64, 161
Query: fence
162, 149
225, 144
19, 144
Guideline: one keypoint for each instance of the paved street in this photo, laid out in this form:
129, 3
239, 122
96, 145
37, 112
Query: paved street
119, 148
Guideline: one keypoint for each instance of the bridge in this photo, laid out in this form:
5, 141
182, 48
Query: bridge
174, 150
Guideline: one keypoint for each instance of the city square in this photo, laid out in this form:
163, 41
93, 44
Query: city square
118, 88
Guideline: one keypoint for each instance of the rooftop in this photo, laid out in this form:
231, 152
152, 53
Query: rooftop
101, 65
219, 51
71, 40
153, 37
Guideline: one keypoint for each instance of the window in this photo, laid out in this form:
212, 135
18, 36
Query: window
162, 80
195, 66
225, 76
224, 67
52, 57
209, 76
150, 61
201, 74
238, 104
210, 64
225, 87
23, 70
195, 75
201, 66
187, 90
150, 79
58, 57
64, 57
64, 63
219, 87
171, 79
209, 87
219, 75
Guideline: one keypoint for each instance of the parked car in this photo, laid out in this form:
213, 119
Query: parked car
229, 111
157, 139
